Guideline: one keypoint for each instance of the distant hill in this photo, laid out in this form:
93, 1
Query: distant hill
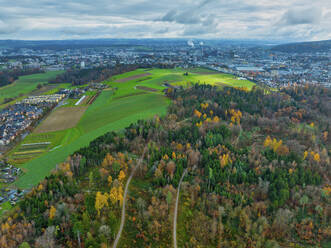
313, 46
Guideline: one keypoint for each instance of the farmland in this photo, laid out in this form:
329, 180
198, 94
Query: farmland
25, 85
61, 119
132, 96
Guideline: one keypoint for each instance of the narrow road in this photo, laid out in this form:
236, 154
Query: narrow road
118, 236
176, 210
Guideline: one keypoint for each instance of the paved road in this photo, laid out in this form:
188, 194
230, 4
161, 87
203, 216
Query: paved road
176, 210
118, 236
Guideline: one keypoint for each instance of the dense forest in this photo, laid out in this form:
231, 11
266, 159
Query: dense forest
258, 175
9, 76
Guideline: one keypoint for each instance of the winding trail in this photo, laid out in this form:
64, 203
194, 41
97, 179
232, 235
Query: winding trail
118, 236
176, 210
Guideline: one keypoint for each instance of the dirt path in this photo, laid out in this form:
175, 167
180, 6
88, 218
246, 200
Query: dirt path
118, 236
176, 210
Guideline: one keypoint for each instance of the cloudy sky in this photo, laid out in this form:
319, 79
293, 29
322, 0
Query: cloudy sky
291, 20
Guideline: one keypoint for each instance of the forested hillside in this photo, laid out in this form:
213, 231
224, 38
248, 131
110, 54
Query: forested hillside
9, 76
302, 47
258, 175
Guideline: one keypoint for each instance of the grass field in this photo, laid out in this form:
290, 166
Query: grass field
135, 95
26, 84
155, 78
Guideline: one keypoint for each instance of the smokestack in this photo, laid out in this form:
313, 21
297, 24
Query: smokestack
201, 45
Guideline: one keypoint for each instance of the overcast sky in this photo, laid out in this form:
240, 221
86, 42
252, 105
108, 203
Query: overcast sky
218, 19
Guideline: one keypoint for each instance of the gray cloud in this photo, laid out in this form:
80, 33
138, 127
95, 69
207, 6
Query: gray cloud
258, 19
310, 15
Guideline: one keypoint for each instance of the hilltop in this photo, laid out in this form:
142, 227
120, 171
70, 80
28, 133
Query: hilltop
301, 47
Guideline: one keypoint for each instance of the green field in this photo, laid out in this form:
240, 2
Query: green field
114, 109
198, 75
26, 84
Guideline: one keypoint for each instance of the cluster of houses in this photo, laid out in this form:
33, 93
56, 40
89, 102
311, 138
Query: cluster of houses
52, 99
8, 174
97, 86
75, 93
15, 119
11, 195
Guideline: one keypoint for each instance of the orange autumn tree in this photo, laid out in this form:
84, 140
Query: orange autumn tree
173, 155
108, 160
235, 116
276, 145
197, 113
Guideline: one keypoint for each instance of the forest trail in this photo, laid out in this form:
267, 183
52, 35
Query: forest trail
119, 234
176, 210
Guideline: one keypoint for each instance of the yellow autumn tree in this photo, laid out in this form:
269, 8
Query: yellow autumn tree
52, 212
40, 187
225, 160
317, 157
267, 141
314, 155
121, 176
179, 147
5, 227
113, 195
110, 180
173, 155
274, 144
305, 154
120, 194
116, 194
216, 119
204, 105
101, 201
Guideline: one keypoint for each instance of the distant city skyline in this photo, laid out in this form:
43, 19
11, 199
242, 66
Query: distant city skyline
297, 20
